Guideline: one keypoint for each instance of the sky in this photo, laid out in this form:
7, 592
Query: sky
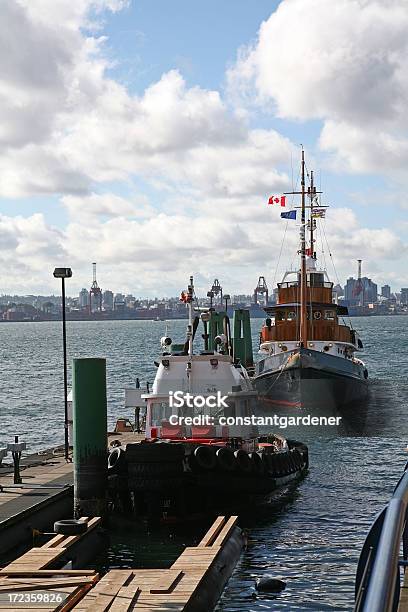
148, 136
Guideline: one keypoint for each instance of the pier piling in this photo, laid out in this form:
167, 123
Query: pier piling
90, 436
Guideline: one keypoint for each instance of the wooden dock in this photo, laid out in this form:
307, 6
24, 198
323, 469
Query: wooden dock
34, 505
192, 584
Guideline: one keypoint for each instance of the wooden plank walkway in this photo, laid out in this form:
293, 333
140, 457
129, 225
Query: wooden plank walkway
27, 576
119, 590
46, 468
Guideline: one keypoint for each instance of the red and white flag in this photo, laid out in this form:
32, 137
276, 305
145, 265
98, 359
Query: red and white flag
277, 200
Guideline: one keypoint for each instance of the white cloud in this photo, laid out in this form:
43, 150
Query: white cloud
69, 125
341, 62
87, 209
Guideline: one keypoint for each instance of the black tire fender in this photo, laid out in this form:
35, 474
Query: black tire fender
273, 464
70, 527
154, 452
116, 460
146, 470
164, 485
243, 461
226, 459
257, 465
284, 459
205, 457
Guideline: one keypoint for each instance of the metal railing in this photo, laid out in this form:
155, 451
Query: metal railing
378, 572
296, 283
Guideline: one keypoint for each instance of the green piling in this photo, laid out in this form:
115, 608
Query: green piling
90, 436
216, 327
242, 338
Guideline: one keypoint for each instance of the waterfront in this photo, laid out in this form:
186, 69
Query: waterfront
313, 536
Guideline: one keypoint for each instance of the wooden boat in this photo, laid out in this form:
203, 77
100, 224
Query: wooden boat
307, 352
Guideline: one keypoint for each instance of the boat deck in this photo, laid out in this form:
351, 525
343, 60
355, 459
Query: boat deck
147, 590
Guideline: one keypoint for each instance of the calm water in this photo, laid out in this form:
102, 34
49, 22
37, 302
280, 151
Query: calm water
312, 537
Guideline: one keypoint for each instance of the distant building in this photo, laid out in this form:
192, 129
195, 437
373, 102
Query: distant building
386, 291
404, 296
119, 302
107, 300
359, 296
338, 291
83, 299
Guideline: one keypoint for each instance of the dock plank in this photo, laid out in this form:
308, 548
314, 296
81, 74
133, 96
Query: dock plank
126, 598
213, 532
226, 531
167, 581
36, 559
103, 594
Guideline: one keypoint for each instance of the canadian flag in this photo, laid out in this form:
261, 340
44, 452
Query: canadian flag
277, 200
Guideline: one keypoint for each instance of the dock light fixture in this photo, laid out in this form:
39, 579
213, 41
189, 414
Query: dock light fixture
64, 273
227, 299
210, 294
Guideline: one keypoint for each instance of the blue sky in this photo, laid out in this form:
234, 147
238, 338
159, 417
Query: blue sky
148, 137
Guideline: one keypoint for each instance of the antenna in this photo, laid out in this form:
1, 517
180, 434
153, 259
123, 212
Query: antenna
303, 280
312, 194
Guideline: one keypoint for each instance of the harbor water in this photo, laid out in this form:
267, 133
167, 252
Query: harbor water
311, 536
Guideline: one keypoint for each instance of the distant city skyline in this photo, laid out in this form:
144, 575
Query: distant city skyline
133, 294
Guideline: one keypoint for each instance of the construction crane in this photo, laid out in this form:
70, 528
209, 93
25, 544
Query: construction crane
262, 289
95, 293
217, 289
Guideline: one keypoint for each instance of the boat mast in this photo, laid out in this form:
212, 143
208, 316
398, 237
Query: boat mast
303, 279
312, 191
190, 294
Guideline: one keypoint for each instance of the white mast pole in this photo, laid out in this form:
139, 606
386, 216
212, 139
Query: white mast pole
190, 316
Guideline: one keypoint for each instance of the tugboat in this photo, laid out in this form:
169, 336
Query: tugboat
307, 353
202, 452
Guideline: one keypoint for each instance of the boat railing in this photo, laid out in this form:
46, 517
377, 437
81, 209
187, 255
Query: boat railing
295, 283
378, 578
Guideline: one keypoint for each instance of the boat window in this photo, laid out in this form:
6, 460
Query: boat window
291, 316
230, 411
280, 315
330, 315
160, 411
317, 315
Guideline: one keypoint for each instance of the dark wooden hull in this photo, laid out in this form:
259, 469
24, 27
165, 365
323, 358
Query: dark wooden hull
315, 380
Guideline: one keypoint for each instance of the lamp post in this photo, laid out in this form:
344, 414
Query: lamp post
64, 273
227, 299
210, 294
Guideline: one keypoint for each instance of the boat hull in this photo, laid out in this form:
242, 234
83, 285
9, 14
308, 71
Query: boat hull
206, 491
311, 380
